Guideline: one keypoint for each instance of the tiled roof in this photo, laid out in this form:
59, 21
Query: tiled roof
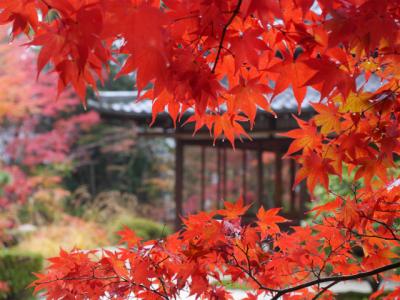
124, 102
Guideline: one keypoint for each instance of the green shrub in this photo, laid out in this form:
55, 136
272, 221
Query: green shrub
352, 296
38, 212
144, 228
16, 270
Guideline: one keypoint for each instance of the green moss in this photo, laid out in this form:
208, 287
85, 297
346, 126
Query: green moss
16, 270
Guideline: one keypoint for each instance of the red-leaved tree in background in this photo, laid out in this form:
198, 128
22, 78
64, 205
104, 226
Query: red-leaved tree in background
225, 59
37, 128
38, 131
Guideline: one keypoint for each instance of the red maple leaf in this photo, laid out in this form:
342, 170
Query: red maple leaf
315, 169
268, 220
305, 138
291, 73
234, 210
129, 236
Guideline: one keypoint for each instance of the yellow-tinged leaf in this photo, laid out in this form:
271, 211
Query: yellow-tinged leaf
327, 117
355, 102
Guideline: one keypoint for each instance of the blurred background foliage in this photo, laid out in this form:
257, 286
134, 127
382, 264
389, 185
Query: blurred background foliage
66, 179
16, 270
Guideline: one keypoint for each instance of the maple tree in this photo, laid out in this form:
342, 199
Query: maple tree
38, 135
37, 130
225, 59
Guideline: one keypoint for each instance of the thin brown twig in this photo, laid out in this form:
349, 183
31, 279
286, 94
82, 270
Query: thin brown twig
324, 290
339, 278
221, 42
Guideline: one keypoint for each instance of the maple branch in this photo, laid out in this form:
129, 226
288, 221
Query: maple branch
49, 7
47, 4
119, 279
328, 257
336, 279
221, 42
248, 271
373, 236
325, 289
391, 231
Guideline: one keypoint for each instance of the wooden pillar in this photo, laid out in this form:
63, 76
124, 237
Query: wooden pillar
224, 170
219, 178
179, 160
278, 179
244, 175
260, 177
293, 206
304, 198
203, 179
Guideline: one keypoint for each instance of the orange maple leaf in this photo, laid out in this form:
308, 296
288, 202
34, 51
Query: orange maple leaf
268, 220
228, 124
129, 236
306, 137
315, 169
327, 207
248, 96
292, 73
234, 210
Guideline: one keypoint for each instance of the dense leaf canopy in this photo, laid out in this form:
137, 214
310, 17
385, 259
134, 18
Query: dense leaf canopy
226, 59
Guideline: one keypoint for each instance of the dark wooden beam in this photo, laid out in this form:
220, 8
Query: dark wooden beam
264, 121
267, 144
179, 160
244, 175
203, 179
304, 199
219, 178
292, 174
278, 179
260, 176
225, 174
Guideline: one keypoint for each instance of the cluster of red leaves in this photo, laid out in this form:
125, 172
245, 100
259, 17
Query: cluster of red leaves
227, 59
4, 286
18, 190
224, 59
270, 261
361, 132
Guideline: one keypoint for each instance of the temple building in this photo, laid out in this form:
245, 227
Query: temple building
255, 170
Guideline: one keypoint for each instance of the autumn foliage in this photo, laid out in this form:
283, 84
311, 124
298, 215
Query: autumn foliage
225, 60
37, 129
